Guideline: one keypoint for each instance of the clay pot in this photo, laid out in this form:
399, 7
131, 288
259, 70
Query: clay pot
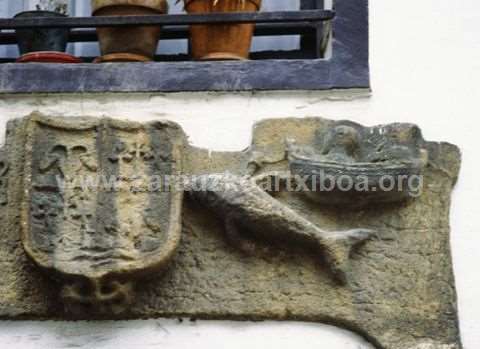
48, 57
45, 39
131, 42
221, 41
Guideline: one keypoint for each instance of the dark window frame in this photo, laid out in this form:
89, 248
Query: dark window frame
347, 68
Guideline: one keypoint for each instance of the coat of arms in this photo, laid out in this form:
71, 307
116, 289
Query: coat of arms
101, 207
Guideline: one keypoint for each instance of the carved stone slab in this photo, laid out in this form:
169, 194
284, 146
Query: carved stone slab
380, 266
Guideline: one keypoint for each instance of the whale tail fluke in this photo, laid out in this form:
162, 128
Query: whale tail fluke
338, 247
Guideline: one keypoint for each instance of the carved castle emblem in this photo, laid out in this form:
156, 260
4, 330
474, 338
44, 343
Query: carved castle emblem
90, 216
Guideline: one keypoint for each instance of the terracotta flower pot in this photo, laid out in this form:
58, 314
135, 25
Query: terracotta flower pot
221, 41
128, 43
48, 57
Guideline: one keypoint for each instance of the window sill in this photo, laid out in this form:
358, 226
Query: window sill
183, 76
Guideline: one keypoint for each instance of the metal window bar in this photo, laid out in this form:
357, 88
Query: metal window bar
303, 22
347, 66
210, 18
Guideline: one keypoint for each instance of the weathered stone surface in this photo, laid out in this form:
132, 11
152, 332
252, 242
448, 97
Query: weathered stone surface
87, 212
399, 293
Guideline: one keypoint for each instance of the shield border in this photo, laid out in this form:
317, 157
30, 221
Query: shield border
152, 262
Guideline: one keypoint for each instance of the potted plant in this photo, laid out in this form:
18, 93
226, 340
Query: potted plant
128, 44
221, 41
46, 44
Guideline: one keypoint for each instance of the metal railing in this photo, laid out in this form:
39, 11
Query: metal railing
175, 26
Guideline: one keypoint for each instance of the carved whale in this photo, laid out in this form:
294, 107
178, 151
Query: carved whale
245, 206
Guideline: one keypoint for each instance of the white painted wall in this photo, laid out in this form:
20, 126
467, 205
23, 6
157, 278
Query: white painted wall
425, 59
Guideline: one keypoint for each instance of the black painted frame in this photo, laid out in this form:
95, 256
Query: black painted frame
347, 68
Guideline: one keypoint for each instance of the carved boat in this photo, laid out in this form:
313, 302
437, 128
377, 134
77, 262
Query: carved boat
333, 182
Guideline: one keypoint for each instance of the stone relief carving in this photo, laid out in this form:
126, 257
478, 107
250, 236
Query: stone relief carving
317, 221
3, 178
243, 204
83, 219
349, 151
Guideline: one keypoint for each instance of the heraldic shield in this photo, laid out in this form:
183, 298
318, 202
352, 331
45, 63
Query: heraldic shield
102, 206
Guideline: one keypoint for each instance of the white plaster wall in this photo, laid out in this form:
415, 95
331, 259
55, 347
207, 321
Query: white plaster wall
425, 60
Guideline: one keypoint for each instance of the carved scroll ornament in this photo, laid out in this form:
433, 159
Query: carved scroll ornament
318, 221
